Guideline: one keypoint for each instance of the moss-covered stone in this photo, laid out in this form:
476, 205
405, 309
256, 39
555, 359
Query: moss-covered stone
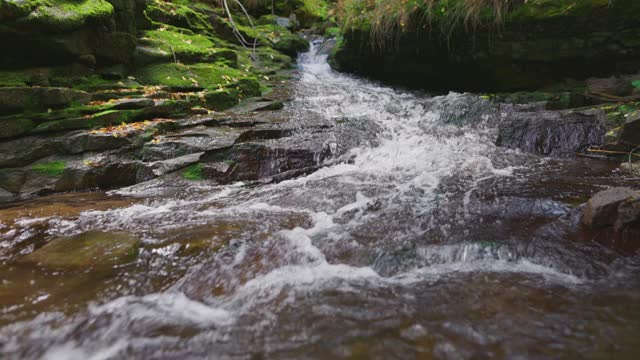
15, 126
172, 45
200, 75
52, 169
178, 15
16, 99
291, 44
92, 250
193, 172
65, 15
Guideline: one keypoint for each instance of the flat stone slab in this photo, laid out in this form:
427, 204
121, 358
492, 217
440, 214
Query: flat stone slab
90, 250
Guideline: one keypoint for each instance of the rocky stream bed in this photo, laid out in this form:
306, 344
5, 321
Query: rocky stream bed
357, 221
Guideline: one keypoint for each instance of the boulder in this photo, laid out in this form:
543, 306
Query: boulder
612, 207
93, 250
612, 218
551, 133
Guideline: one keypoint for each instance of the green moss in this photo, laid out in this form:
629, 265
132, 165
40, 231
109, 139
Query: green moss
188, 47
53, 168
333, 31
183, 16
194, 172
291, 44
200, 75
13, 78
64, 15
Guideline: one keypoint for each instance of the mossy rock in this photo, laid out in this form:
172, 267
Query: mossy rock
194, 172
291, 45
169, 45
51, 169
178, 15
200, 75
15, 126
101, 119
64, 15
91, 250
17, 99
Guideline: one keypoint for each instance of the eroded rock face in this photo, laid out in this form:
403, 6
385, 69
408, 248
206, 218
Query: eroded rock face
551, 133
92, 250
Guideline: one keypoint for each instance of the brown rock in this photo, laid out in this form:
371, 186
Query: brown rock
611, 207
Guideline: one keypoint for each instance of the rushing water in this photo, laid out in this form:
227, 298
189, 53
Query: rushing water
428, 242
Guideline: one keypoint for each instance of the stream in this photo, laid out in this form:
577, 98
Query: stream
424, 241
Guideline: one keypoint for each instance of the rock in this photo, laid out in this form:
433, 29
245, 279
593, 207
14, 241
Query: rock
291, 45
160, 168
12, 127
132, 104
6, 196
83, 141
603, 209
194, 140
327, 46
549, 133
612, 218
611, 86
17, 99
91, 250
259, 106
630, 132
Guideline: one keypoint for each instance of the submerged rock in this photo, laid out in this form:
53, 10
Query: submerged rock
90, 250
551, 133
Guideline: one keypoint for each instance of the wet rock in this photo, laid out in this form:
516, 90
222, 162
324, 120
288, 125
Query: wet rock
160, 168
259, 106
326, 47
16, 99
106, 172
190, 141
91, 250
612, 207
132, 104
551, 133
80, 142
19, 152
612, 218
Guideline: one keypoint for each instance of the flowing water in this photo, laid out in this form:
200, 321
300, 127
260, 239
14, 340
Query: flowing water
426, 242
